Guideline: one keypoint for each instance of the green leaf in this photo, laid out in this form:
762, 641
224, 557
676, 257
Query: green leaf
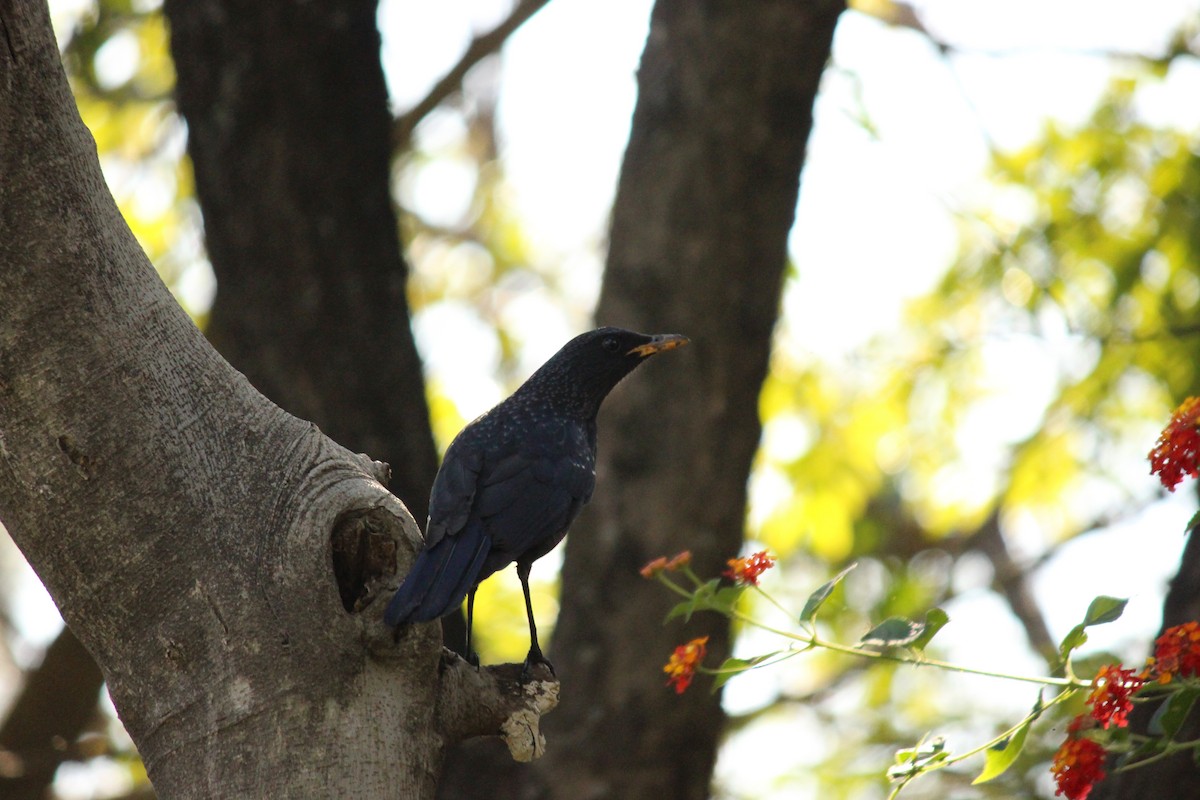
700, 600
1104, 609
684, 609
726, 598
1038, 707
893, 632
732, 667
1101, 610
1170, 716
935, 620
912, 761
1000, 756
818, 598
1073, 640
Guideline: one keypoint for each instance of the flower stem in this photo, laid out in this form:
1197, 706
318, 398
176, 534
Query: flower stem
1170, 749
810, 639
813, 640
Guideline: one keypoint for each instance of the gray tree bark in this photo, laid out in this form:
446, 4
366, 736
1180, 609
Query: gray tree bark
183, 523
706, 199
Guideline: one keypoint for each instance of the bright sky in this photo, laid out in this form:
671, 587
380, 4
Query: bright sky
874, 212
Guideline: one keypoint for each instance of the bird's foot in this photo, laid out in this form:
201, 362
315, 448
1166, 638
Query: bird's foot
472, 658
535, 658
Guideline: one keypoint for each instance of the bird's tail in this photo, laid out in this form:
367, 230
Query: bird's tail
440, 578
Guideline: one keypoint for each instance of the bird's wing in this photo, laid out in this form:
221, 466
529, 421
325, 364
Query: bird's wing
456, 545
441, 577
453, 492
528, 498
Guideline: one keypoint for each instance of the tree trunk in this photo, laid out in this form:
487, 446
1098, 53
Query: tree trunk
706, 199
316, 316
183, 523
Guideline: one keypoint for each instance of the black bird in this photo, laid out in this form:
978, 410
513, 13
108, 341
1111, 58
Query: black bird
513, 480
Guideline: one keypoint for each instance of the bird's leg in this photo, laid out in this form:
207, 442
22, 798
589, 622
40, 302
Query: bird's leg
535, 652
471, 656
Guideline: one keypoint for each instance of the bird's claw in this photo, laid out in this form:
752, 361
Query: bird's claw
535, 658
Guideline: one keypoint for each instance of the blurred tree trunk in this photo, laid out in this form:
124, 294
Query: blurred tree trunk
182, 522
289, 134
55, 706
706, 199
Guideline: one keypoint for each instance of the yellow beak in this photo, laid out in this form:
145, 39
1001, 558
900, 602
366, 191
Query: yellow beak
661, 342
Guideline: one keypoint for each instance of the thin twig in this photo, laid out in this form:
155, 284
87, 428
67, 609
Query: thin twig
1012, 583
481, 47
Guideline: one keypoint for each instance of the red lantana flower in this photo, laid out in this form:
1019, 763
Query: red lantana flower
1177, 452
682, 666
1176, 653
1078, 764
1111, 689
746, 570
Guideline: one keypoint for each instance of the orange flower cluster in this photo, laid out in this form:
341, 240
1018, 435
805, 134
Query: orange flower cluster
1176, 653
746, 570
684, 661
1078, 764
664, 564
1177, 452
1112, 690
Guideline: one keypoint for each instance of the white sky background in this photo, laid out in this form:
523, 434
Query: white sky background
873, 213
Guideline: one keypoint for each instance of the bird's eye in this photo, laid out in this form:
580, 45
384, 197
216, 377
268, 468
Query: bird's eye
610, 344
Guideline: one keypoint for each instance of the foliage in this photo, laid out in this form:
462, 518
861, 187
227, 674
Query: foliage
1171, 677
1075, 284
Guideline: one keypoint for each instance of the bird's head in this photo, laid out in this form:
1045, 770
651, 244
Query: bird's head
586, 369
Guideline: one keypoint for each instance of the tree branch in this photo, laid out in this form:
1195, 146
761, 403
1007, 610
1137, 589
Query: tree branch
495, 701
904, 15
480, 48
1010, 580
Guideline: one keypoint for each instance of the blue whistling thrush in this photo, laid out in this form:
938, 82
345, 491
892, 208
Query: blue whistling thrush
514, 479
